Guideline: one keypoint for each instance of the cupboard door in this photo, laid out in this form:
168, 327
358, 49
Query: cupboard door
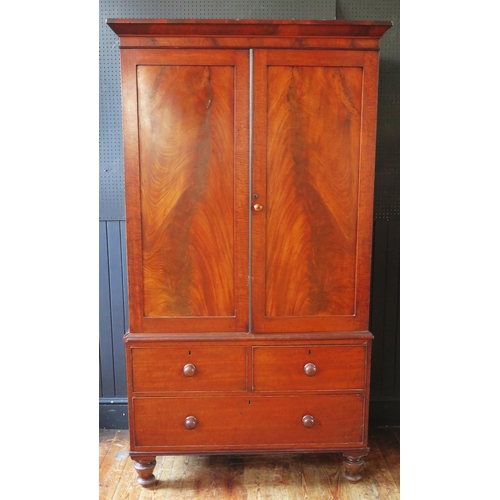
185, 117
313, 165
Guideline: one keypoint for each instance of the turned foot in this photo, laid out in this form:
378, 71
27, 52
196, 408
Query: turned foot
353, 465
144, 470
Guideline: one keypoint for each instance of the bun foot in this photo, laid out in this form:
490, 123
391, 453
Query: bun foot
144, 470
353, 466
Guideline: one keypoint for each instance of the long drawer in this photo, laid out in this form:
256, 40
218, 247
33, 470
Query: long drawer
317, 421
309, 368
163, 369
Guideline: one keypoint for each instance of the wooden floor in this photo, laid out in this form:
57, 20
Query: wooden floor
274, 477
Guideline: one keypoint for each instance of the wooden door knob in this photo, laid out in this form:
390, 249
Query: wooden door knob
189, 370
190, 423
258, 207
310, 369
308, 421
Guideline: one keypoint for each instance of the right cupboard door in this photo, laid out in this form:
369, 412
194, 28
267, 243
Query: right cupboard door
314, 120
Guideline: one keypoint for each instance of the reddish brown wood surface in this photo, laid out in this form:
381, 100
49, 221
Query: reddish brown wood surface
248, 27
186, 141
313, 129
238, 42
190, 162
282, 368
157, 369
229, 338
308, 152
248, 422
187, 185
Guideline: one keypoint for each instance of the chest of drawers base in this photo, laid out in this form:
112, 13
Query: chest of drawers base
244, 393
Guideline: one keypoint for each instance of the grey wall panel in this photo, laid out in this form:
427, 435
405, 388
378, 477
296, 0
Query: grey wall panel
391, 325
113, 310
123, 243
384, 317
117, 302
105, 332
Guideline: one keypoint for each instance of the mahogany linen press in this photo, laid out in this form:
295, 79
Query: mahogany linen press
249, 151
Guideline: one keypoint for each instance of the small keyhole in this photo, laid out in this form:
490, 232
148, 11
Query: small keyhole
310, 352
255, 196
189, 353
249, 402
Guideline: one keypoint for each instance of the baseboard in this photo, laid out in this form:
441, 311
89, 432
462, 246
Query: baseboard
384, 413
113, 414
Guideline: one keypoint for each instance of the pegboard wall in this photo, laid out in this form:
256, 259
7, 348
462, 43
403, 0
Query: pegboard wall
388, 137
111, 195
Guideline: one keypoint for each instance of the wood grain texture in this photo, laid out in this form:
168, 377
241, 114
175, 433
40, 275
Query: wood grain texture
338, 367
386, 439
186, 142
309, 153
248, 27
313, 134
248, 422
217, 369
115, 461
234, 42
276, 476
187, 147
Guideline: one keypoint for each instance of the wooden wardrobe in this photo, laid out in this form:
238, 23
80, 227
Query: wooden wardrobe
249, 150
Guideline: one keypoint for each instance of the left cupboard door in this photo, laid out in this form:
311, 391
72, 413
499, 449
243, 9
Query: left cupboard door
186, 142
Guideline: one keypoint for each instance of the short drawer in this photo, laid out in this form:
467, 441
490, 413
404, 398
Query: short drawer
309, 368
163, 369
282, 422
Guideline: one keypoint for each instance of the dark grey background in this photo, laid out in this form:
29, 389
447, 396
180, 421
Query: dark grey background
384, 323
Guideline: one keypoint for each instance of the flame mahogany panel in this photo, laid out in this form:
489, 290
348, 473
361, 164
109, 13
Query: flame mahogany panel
307, 176
187, 184
314, 116
191, 271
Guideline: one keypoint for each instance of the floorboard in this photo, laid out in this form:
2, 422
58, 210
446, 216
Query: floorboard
278, 476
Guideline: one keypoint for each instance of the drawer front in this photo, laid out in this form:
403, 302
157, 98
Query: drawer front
248, 422
309, 368
163, 369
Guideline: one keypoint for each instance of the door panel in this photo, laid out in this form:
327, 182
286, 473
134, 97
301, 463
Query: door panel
309, 119
192, 216
186, 145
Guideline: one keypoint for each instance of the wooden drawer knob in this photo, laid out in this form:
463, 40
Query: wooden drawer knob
308, 421
190, 423
310, 369
189, 370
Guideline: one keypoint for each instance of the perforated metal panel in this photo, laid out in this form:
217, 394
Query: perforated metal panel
110, 140
387, 163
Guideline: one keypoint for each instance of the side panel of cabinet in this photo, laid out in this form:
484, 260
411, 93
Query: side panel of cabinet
313, 165
185, 119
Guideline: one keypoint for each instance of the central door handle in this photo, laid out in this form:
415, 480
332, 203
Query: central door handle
258, 207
